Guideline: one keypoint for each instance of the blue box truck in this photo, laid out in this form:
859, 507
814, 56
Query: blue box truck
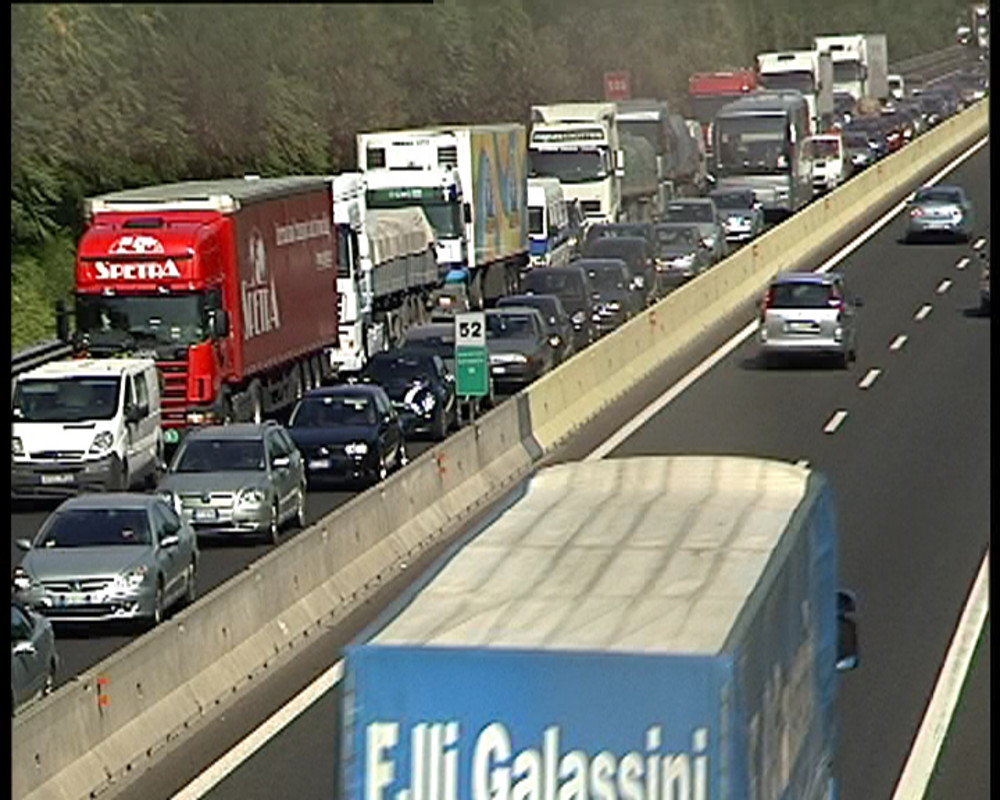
652, 627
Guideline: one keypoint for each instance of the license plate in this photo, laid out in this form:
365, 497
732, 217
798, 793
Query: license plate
49, 480
803, 327
205, 513
319, 463
499, 370
72, 599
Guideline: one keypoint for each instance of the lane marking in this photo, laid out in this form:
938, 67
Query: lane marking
962, 263
256, 739
835, 422
898, 342
925, 309
934, 726
943, 286
870, 378
661, 402
979, 243
284, 716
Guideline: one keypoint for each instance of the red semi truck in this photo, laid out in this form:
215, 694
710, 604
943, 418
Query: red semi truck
230, 285
710, 91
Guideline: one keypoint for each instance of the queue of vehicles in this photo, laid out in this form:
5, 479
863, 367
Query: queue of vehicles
235, 299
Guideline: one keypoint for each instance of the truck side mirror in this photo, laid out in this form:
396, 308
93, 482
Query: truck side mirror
467, 213
62, 321
220, 324
847, 632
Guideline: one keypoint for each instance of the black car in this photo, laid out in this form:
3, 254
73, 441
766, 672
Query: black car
636, 254
572, 286
858, 150
681, 254
872, 129
933, 107
617, 230
348, 432
420, 387
519, 347
558, 328
617, 302
438, 338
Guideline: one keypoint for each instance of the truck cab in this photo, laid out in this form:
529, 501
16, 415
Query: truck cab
827, 156
807, 71
578, 144
850, 62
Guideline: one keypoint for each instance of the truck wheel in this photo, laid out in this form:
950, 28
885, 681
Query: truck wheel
118, 477
317, 371
298, 380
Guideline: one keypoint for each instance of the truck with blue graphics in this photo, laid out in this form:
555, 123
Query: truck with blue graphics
651, 627
471, 182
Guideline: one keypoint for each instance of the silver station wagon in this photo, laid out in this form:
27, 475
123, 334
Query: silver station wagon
806, 313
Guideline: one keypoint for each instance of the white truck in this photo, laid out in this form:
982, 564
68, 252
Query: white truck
806, 71
471, 182
388, 267
548, 223
578, 144
860, 63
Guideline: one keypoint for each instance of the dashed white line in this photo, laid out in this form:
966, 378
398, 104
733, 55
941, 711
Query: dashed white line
898, 342
870, 378
925, 309
979, 243
943, 286
835, 421
947, 690
962, 263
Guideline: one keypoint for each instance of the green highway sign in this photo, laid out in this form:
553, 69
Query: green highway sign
472, 359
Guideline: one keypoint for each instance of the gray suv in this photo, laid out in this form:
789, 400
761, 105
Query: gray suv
806, 313
237, 480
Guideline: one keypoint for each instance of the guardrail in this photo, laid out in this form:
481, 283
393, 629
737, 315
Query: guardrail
115, 719
37, 355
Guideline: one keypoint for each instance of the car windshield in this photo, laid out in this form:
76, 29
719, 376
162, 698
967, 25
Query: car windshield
607, 280
568, 166
937, 196
689, 212
535, 220
802, 80
847, 71
824, 148
94, 527
668, 237
617, 232
732, 200
329, 412
385, 368
559, 282
808, 294
855, 139
509, 325
221, 455
66, 399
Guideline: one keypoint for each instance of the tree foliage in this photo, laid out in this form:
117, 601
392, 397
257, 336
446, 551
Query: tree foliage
110, 96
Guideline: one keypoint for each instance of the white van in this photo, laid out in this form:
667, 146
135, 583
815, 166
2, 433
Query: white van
826, 152
548, 223
85, 425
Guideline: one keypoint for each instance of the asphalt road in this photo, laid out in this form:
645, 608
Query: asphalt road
910, 467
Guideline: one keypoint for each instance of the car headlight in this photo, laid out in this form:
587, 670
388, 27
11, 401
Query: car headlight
555, 341
253, 496
170, 499
356, 448
131, 579
427, 401
102, 443
21, 580
16, 448
709, 241
578, 318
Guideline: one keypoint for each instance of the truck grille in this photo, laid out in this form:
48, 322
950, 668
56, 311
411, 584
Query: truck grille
174, 386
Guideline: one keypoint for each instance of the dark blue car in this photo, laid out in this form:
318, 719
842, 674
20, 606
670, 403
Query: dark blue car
348, 432
420, 388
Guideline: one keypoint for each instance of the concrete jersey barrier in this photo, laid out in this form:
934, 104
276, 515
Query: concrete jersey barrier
72, 746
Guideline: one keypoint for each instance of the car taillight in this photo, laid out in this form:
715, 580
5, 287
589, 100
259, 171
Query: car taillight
916, 212
768, 300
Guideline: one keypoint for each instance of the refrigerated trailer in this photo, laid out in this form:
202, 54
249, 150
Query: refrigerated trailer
659, 627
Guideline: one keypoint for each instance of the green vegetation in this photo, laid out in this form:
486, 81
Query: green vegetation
109, 96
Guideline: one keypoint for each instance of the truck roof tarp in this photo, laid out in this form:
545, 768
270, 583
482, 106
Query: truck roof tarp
246, 190
640, 163
397, 232
648, 555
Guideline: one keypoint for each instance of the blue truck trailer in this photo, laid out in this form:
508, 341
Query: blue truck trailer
652, 627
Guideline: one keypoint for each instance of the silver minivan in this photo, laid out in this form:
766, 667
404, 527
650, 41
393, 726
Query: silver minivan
807, 313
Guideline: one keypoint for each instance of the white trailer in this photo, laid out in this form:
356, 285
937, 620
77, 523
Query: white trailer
807, 71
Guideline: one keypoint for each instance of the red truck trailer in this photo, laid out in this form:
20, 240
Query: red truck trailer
710, 91
230, 285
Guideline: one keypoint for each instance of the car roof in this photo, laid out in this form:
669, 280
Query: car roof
122, 500
88, 368
342, 390
238, 430
807, 277
600, 263
500, 312
613, 241
571, 267
690, 201
531, 300
432, 329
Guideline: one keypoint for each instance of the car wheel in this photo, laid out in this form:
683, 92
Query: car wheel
274, 528
117, 482
382, 470
191, 583
157, 617
402, 457
843, 360
300, 512
441, 425
50, 679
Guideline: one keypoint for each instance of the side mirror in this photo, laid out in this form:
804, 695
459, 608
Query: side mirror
133, 414
220, 324
467, 213
23, 544
24, 648
847, 632
170, 540
281, 462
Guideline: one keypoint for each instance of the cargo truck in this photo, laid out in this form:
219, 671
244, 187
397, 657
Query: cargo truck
229, 285
579, 145
549, 226
386, 273
860, 64
471, 182
710, 91
806, 71
658, 627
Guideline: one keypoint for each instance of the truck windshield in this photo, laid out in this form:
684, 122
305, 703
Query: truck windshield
749, 145
802, 80
569, 167
823, 148
445, 218
706, 106
847, 71
145, 320
649, 129
66, 399
536, 225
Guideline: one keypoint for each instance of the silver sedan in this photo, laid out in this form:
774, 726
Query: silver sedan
940, 210
33, 657
108, 557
